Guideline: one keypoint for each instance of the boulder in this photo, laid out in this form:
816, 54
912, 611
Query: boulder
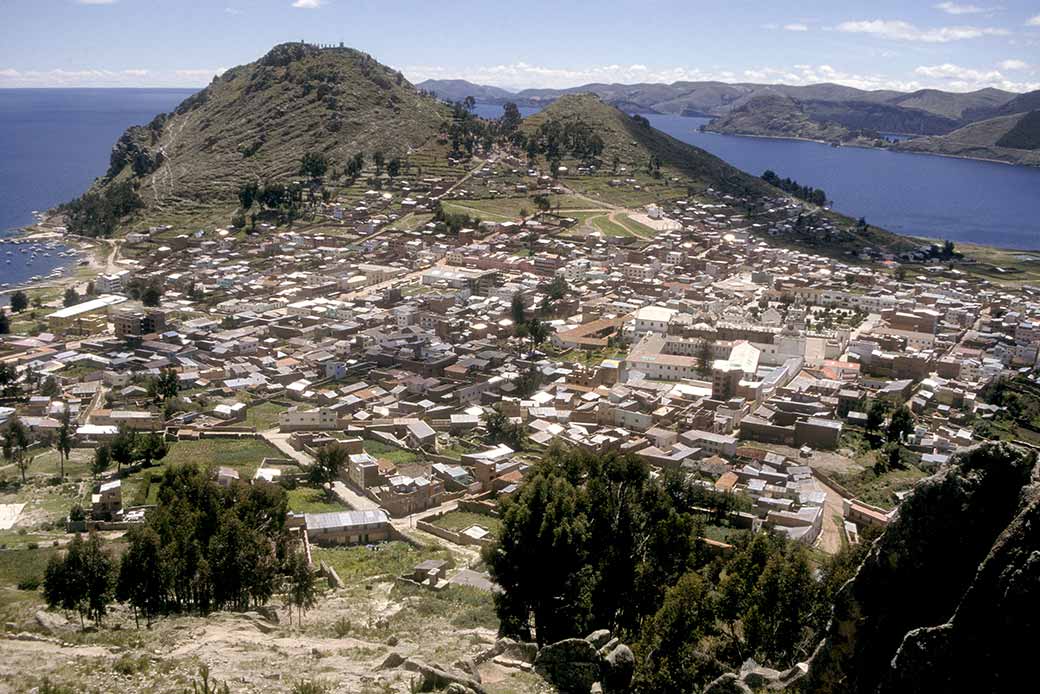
756, 676
599, 637
618, 667
571, 665
437, 678
727, 684
269, 613
51, 621
391, 661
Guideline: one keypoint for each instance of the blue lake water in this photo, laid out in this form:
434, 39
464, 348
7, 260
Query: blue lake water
53, 143
913, 194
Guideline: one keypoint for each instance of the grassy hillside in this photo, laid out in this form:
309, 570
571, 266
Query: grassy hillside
1014, 139
256, 121
634, 143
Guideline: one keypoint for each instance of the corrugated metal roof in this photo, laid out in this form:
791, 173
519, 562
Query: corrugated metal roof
344, 519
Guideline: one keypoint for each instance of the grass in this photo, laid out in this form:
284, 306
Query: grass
264, 416
311, 500
880, 490
464, 606
387, 559
16, 565
609, 228
244, 455
460, 520
398, 456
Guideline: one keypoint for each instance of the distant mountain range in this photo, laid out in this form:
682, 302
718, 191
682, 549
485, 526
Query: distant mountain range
829, 112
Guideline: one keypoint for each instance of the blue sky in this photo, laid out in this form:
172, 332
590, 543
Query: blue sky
550, 43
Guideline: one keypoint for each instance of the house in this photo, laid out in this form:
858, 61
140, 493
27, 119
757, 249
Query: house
108, 501
320, 419
226, 476
348, 527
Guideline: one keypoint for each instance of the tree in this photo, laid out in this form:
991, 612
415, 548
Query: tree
314, 164
393, 168
500, 429
164, 387
16, 440
102, 460
19, 301
511, 118
151, 296
469, 103
876, 415
538, 332
82, 580
328, 464
151, 448
705, 356
65, 436
71, 298
5, 323
301, 588
141, 582
669, 660
247, 193
517, 310
9, 387
124, 447
378, 159
900, 425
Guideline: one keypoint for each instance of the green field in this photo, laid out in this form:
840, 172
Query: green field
388, 558
244, 455
311, 500
264, 416
460, 520
399, 456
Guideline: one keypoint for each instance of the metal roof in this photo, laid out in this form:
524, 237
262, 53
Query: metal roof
344, 519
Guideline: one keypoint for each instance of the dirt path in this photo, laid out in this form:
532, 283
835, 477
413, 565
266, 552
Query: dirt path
831, 536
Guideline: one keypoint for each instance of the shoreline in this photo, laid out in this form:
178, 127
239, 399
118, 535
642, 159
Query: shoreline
894, 147
74, 273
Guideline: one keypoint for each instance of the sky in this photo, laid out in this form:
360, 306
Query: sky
883, 44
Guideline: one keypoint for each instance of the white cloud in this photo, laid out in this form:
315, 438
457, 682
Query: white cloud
1013, 64
963, 79
232, 10
1033, 21
898, 30
96, 77
308, 4
955, 8
797, 26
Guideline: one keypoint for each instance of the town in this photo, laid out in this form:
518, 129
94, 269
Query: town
400, 358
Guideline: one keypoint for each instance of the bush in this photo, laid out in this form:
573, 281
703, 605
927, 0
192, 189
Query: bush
129, 665
76, 513
33, 545
342, 627
312, 687
29, 583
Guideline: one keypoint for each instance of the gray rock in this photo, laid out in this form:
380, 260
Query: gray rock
599, 637
437, 678
269, 613
391, 661
727, 684
51, 621
618, 668
571, 665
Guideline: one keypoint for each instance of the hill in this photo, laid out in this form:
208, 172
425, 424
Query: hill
776, 115
632, 143
639, 165
254, 123
1014, 139
951, 104
458, 90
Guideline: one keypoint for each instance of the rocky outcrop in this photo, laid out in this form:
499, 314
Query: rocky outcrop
944, 598
573, 666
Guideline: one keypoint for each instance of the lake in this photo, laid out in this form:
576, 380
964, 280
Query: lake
53, 144
913, 194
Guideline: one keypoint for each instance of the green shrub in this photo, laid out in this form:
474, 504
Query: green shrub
342, 627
